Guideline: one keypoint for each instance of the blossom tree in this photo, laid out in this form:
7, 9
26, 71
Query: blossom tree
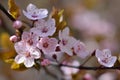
48, 41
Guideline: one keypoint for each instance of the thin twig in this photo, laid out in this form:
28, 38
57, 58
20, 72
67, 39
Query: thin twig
84, 67
6, 12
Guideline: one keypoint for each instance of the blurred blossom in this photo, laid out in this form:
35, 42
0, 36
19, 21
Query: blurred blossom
88, 76
69, 71
109, 43
108, 76
92, 24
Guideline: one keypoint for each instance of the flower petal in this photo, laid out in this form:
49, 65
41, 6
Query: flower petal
35, 53
19, 59
20, 47
29, 62
31, 7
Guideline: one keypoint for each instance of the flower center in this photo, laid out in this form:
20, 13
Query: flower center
45, 45
34, 15
105, 60
30, 42
64, 42
44, 30
28, 54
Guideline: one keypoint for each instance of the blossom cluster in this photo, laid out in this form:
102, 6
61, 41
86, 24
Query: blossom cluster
39, 42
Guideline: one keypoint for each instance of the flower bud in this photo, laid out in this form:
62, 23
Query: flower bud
88, 77
14, 38
17, 24
45, 62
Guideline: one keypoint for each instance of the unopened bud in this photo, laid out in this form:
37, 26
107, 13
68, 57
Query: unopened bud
88, 77
17, 24
45, 62
14, 38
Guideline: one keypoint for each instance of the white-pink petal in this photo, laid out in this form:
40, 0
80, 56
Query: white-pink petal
29, 62
47, 45
34, 13
80, 50
20, 47
31, 7
26, 53
105, 58
20, 59
110, 62
44, 28
35, 53
66, 43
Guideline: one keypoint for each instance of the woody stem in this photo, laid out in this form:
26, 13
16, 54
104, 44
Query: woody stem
85, 67
6, 12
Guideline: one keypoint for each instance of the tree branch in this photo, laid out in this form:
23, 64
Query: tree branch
85, 67
6, 12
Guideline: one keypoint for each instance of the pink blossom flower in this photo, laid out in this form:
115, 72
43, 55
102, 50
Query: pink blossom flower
34, 13
26, 54
79, 49
44, 28
105, 58
66, 42
90, 23
47, 45
30, 38
108, 76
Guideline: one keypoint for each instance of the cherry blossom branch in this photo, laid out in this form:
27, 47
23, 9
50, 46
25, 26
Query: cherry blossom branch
6, 12
10, 16
85, 67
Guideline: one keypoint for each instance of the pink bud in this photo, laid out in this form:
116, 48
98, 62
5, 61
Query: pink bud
14, 38
88, 77
17, 24
45, 62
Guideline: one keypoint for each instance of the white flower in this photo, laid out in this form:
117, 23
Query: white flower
30, 38
34, 13
44, 28
26, 54
105, 58
66, 42
79, 49
47, 45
